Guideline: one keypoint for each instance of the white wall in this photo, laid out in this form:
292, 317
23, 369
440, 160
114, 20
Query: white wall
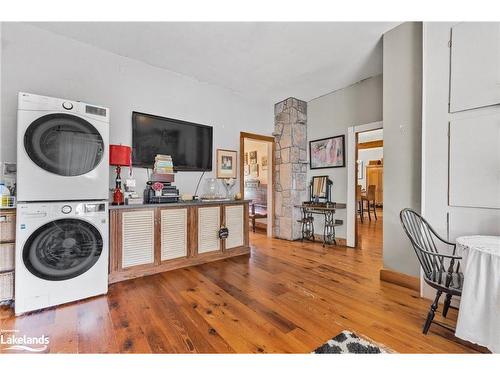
331, 115
448, 220
366, 155
41, 62
402, 140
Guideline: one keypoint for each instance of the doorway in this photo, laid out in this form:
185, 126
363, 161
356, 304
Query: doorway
369, 186
256, 180
364, 169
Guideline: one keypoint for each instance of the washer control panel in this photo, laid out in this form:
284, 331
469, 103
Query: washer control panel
67, 105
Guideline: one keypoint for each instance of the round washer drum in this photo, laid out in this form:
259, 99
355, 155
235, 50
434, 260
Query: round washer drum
62, 249
64, 144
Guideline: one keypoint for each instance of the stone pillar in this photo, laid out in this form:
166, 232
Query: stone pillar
290, 187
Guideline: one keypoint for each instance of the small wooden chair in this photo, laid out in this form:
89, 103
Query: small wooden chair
370, 200
257, 211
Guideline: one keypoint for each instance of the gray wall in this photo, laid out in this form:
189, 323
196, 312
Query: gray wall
331, 115
402, 140
450, 221
41, 62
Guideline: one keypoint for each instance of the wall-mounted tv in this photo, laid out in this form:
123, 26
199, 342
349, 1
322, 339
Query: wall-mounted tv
189, 144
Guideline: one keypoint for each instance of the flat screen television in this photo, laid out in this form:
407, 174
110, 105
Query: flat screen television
189, 144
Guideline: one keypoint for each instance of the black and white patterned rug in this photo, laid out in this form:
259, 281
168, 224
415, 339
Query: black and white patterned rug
349, 343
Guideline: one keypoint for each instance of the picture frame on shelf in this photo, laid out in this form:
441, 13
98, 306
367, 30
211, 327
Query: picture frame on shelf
226, 163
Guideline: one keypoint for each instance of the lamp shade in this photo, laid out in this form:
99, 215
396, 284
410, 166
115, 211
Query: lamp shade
119, 155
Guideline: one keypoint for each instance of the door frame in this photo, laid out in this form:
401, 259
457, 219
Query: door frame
270, 181
352, 155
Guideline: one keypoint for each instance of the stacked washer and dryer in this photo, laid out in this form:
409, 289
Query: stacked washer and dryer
62, 193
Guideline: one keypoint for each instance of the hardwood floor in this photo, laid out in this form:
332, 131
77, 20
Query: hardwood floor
287, 297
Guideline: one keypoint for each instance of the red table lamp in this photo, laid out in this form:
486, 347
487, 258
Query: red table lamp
119, 156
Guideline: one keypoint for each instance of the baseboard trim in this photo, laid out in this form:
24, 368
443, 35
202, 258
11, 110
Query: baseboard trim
340, 241
401, 279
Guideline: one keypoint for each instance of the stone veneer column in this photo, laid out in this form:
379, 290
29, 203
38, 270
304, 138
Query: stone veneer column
290, 186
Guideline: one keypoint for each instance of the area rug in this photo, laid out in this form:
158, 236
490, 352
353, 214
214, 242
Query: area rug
349, 343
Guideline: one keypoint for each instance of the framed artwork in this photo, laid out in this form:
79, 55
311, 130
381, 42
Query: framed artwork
226, 163
254, 170
264, 162
246, 158
253, 157
247, 170
327, 152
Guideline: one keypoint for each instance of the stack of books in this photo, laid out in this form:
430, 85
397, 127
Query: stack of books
163, 164
163, 169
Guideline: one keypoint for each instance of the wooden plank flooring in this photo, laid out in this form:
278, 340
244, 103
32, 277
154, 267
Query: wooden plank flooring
287, 297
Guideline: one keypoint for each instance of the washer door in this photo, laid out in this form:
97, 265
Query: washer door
62, 249
64, 144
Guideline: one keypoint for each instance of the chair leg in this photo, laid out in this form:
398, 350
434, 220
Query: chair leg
432, 312
447, 303
360, 209
369, 215
375, 210
253, 225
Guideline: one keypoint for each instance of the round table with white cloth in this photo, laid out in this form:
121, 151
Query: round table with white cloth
479, 313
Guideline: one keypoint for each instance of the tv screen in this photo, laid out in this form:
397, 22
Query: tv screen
189, 144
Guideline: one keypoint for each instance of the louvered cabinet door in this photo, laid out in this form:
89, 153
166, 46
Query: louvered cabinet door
173, 233
234, 223
138, 238
208, 229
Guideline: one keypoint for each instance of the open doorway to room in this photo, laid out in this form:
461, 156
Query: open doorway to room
256, 179
365, 160
369, 186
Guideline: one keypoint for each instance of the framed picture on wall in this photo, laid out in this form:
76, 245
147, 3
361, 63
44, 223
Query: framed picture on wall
247, 170
327, 152
264, 162
226, 163
253, 157
246, 158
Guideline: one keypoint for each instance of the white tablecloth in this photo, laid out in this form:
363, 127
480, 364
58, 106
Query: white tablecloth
479, 313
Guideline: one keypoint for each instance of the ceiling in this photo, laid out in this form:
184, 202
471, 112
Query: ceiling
269, 61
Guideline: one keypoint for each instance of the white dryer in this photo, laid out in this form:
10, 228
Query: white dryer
61, 253
62, 150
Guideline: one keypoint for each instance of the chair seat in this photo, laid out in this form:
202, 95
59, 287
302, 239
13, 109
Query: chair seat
456, 284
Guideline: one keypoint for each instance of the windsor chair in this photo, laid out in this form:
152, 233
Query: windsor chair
440, 268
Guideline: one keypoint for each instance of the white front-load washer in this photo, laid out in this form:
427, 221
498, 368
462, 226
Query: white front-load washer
61, 253
62, 150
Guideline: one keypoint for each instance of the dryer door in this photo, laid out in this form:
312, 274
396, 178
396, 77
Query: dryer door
64, 144
62, 249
